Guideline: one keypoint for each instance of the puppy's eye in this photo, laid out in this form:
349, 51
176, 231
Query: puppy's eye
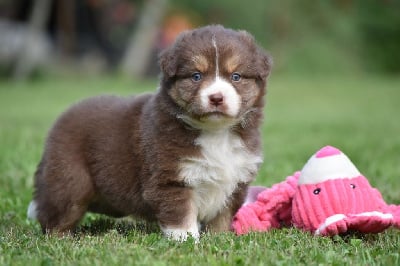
235, 77
196, 76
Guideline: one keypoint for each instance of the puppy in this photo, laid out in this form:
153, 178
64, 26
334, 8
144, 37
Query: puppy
183, 156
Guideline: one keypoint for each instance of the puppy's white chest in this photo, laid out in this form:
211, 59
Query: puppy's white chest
225, 162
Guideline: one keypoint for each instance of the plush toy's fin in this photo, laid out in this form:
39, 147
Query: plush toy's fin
252, 194
395, 211
367, 222
271, 209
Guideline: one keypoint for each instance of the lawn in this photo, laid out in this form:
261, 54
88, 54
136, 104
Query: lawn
359, 115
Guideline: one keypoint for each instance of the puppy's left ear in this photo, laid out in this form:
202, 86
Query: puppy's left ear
167, 61
263, 60
264, 63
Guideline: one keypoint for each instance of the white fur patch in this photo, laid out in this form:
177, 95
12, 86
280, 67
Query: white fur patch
32, 210
214, 177
179, 234
189, 227
232, 99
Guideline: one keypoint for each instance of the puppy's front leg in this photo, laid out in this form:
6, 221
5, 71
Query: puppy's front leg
187, 227
222, 222
175, 211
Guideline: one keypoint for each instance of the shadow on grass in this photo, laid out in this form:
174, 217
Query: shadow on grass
355, 237
124, 226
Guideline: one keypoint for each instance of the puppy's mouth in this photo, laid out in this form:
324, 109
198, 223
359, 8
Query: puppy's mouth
209, 120
211, 111
213, 115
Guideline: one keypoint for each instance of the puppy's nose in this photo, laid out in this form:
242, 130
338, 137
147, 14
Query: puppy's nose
216, 98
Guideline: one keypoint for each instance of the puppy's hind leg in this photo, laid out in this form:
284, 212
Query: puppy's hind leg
62, 198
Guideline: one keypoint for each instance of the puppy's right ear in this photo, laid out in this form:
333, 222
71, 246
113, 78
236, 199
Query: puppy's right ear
167, 62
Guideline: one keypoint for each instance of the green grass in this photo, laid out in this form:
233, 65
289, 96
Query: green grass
356, 114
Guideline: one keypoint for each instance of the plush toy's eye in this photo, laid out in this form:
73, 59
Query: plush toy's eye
352, 186
235, 77
317, 191
196, 76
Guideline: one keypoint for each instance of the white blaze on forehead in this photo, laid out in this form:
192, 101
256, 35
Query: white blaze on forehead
231, 98
214, 42
320, 169
225, 163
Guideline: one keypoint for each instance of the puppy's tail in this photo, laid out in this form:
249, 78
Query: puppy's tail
32, 210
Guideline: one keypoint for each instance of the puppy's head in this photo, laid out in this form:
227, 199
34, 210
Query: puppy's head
215, 75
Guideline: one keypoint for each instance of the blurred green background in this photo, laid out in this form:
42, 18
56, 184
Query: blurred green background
109, 36
335, 81
335, 77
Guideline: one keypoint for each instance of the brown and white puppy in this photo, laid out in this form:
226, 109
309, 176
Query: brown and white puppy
183, 156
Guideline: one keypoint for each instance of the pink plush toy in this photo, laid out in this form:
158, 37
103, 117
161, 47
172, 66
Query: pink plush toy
328, 197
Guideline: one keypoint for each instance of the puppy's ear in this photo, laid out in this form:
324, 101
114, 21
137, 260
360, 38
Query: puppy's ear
167, 62
246, 37
263, 59
264, 63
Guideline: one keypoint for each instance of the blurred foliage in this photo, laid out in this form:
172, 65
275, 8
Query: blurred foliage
320, 36
306, 36
380, 30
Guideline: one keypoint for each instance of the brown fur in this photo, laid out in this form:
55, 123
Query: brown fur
121, 156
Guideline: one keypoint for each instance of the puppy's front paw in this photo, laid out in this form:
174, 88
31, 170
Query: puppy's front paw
181, 235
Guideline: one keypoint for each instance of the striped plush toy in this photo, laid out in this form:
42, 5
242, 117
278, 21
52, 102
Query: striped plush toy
328, 197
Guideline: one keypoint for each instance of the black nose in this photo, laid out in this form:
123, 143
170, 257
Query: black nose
216, 99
